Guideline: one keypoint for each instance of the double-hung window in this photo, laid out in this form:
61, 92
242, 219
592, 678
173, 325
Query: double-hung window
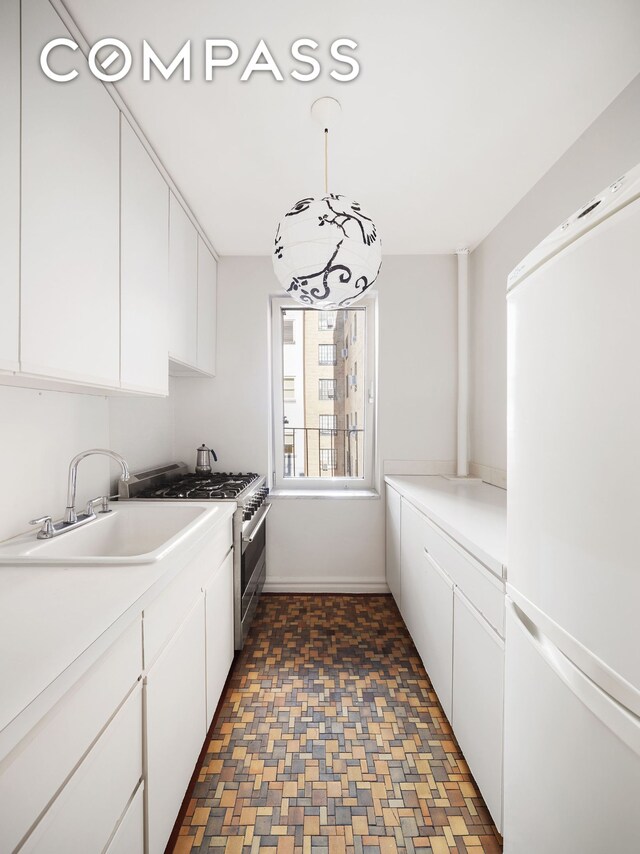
323, 419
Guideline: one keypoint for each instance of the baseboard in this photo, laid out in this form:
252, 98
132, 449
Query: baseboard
280, 584
496, 477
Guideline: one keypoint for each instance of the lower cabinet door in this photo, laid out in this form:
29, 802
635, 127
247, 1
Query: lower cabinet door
427, 605
394, 578
478, 690
175, 710
219, 628
84, 815
129, 837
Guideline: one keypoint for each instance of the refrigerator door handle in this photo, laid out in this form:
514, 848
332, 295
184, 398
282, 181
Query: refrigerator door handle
617, 718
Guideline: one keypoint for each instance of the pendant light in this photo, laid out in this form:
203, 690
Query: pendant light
327, 251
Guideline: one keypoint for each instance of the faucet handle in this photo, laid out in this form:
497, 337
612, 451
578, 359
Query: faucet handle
46, 532
103, 500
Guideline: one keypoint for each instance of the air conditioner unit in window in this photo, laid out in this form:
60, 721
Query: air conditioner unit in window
331, 396
344, 352
353, 379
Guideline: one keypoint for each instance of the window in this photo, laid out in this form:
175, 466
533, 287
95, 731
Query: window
354, 329
328, 459
327, 354
326, 389
315, 441
289, 388
329, 425
287, 332
326, 320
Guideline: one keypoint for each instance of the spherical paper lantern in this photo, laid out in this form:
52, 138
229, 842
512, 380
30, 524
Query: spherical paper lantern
327, 252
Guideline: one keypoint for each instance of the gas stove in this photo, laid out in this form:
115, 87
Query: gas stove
174, 482
217, 486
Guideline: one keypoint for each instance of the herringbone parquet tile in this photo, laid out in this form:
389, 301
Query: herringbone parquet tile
330, 740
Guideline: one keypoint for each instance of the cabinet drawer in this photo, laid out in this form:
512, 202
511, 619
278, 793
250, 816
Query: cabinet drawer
483, 589
32, 774
84, 815
165, 614
129, 837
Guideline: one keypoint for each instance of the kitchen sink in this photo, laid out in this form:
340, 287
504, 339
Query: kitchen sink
131, 533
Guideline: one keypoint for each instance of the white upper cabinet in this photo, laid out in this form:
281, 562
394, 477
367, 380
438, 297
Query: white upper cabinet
183, 286
207, 292
144, 269
10, 183
70, 312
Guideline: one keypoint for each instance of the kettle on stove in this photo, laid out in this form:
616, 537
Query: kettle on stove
203, 466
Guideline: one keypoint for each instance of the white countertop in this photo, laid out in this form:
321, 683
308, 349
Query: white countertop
473, 513
56, 621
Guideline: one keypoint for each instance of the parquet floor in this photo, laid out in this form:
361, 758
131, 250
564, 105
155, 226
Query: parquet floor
330, 740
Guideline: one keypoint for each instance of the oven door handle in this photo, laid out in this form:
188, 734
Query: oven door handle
257, 525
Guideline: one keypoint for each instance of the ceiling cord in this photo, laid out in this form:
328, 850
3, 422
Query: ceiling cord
326, 161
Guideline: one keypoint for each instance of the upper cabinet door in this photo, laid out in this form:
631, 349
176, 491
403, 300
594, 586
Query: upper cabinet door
207, 292
144, 269
10, 183
70, 312
183, 286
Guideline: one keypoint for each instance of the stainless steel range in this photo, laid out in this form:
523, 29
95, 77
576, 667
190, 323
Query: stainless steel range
174, 482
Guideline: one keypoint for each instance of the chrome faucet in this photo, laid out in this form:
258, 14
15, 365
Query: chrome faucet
71, 519
70, 516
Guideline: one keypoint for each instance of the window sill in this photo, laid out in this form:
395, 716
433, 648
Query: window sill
325, 493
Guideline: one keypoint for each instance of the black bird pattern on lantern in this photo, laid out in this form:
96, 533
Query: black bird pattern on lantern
344, 271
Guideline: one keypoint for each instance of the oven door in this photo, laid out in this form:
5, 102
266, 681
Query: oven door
253, 565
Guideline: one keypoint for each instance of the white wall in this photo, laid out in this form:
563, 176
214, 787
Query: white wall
319, 543
40, 432
609, 147
141, 429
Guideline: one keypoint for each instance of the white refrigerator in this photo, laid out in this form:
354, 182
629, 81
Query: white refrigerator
572, 672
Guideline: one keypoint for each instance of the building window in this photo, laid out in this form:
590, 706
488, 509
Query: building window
327, 459
327, 354
287, 332
314, 445
354, 329
289, 389
326, 321
326, 389
328, 425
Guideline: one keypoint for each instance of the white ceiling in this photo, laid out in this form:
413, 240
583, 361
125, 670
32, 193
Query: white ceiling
460, 106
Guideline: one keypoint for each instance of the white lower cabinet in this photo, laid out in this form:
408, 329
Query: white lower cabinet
219, 632
175, 717
454, 610
427, 605
435, 630
83, 816
478, 691
394, 577
129, 837
35, 771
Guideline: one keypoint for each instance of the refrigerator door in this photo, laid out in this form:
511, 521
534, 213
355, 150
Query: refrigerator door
572, 754
574, 442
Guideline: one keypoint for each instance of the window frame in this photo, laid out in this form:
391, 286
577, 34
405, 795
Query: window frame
368, 332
